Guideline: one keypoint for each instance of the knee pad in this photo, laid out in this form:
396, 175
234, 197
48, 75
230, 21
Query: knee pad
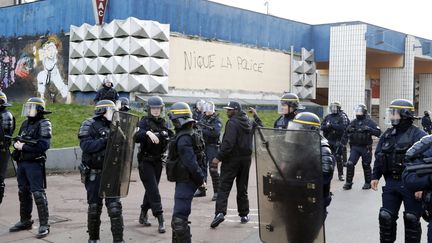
385, 217
180, 228
94, 209
39, 197
350, 164
114, 209
24, 197
411, 220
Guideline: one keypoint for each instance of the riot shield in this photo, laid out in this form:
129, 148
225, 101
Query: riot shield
118, 156
290, 187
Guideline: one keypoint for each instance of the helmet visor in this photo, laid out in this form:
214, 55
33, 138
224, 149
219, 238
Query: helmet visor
359, 111
200, 105
110, 112
333, 108
283, 108
392, 116
296, 126
29, 110
157, 111
209, 108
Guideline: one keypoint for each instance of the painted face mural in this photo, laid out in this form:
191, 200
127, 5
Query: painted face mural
24, 67
50, 82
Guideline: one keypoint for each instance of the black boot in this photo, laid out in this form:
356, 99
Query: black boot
2, 188
115, 214
143, 218
161, 227
181, 231
26, 207
93, 222
350, 176
367, 171
412, 228
200, 192
42, 207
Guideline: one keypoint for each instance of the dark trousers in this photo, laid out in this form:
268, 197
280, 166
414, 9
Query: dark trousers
211, 151
429, 235
92, 188
184, 192
150, 174
337, 150
30, 180
230, 170
365, 152
30, 177
394, 194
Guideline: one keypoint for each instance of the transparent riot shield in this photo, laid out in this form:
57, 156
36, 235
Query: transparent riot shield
118, 156
290, 188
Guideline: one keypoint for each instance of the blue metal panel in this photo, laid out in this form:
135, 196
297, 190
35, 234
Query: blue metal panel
321, 42
190, 17
385, 40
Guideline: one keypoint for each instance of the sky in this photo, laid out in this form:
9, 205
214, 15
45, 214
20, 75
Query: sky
385, 13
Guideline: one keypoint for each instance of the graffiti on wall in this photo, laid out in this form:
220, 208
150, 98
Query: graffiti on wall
7, 69
34, 67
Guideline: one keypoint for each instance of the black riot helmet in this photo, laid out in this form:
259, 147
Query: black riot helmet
426, 113
3, 100
33, 107
123, 104
105, 108
155, 102
180, 114
290, 99
399, 109
360, 110
305, 121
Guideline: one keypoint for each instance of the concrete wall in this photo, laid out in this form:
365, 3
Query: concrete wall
68, 159
347, 70
199, 64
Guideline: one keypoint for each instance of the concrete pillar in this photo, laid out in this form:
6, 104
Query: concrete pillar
347, 68
425, 96
397, 83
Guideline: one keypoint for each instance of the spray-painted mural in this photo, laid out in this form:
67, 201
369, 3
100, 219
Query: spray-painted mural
32, 66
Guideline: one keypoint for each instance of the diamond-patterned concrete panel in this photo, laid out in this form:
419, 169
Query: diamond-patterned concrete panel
76, 50
158, 67
76, 66
133, 52
92, 32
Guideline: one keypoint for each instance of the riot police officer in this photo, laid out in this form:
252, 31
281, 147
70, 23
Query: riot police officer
426, 122
211, 127
389, 162
198, 110
420, 178
287, 107
310, 121
124, 104
153, 136
359, 133
30, 155
7, 122
185, 166
333, 127
107, 92
93, 136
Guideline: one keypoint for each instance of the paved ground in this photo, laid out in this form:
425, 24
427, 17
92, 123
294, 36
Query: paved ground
353, 215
